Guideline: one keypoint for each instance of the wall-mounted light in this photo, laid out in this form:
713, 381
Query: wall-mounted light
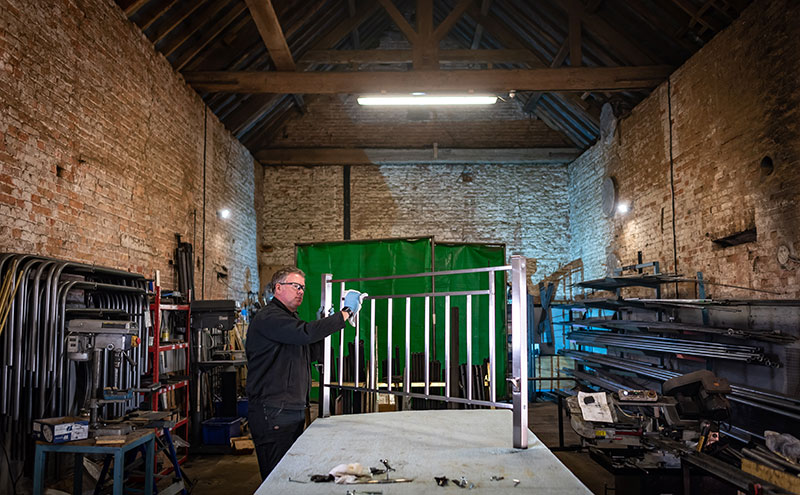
224, 213
624, 207
419, 99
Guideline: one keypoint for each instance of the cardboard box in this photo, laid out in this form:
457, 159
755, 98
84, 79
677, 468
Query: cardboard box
60, 430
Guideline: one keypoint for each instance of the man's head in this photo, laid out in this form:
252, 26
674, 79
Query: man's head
288, 286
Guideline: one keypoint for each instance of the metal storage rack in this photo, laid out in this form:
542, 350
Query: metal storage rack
156, 348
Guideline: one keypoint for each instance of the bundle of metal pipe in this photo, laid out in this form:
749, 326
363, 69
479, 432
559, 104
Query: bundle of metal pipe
36, 378
773, 402
749, 354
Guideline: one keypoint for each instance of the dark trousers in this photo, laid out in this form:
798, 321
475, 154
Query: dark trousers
274, 430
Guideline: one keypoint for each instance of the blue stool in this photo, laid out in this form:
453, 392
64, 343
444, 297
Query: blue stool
134, 441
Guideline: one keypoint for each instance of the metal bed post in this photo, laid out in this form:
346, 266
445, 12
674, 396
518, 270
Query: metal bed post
427, 345
519, 363
341, 338
389, 343
325, 395
373, 356
469, 347
407, 371
492, 345
447, 346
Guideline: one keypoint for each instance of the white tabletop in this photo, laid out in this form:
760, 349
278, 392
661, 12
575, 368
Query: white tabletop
475, 444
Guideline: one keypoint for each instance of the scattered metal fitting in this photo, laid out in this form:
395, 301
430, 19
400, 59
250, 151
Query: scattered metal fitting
516, 482
496, 478
297, 481
441, 480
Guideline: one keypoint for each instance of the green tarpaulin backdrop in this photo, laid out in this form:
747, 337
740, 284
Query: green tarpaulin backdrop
358, 259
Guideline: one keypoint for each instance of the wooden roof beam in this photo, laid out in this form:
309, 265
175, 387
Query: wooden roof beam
269, 27
370, 156
565, 79
209, 35
476, 38
452, 18
399, 21
405, 56
615, 41
334, 36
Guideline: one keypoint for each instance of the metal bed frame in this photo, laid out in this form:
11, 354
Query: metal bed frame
519, 339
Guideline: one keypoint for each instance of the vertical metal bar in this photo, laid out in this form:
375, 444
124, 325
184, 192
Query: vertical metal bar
447, 346
326, 364
427, 345
389, 343
469, 347
341, 338
373, 358
357, 342
492, 334
519, 362
407, 373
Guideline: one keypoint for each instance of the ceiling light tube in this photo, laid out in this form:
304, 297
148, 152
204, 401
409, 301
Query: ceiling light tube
423, 99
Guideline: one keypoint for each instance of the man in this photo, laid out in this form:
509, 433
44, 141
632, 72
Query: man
279, 351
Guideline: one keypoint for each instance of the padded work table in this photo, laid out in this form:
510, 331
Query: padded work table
133, 441
475, 444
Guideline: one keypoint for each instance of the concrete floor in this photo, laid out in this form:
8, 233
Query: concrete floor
239, 474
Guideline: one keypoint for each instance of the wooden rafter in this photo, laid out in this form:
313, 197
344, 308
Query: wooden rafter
351, 10
334, 36
632, 52
405, 56
368, 156
399, 21
509, 38
209, 35
478, 35
193, 25
452, 18
566, 79
425, 48
575, 42
269, 27
166, 26
154, 16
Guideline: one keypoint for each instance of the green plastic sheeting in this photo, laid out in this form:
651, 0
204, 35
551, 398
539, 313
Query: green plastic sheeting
359, 259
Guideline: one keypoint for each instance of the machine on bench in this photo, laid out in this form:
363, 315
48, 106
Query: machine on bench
88, 340
621, 424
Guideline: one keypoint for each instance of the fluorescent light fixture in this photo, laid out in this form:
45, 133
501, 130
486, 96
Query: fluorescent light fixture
224, 213
418, 99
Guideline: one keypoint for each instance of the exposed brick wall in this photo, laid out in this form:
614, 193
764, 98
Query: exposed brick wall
338, 121
101, 149
732, 104
523, 206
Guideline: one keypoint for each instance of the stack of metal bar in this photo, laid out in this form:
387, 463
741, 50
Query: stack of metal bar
746, 353
767, 401
36, 378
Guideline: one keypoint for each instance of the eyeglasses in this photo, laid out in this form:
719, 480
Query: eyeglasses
295, 285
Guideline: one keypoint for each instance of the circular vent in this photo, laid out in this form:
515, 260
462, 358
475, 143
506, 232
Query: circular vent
609, 196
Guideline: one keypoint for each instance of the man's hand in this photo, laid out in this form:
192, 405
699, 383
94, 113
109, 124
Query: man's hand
353, 300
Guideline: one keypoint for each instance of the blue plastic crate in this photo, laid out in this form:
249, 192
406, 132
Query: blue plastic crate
241, 407
219, 431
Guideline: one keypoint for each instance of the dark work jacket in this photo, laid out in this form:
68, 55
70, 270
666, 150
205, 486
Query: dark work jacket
279, 354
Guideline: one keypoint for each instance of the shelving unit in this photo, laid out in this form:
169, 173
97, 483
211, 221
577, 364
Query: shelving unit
158, 347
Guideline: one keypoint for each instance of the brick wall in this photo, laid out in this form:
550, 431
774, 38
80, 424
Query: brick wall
101, 150
338, 121
732, 104
523, 206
